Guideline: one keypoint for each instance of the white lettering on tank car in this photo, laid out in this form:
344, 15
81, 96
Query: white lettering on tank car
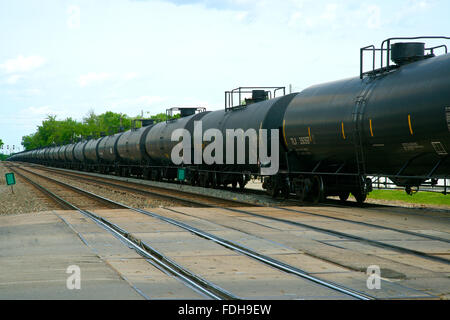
294, 141
305, 140
412, 146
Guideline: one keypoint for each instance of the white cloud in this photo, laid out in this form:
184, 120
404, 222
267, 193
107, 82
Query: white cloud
37, 114
330, 12
134, 106
139, 101
150, 99
33, 92
93, 77
419, 4
27, 93
130, 76
295, 17
241, 16
13, 79
99, 77
38, 111
22, 64
374, 15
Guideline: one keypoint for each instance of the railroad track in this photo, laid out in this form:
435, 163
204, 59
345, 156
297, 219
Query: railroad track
181, 197
208, 288
157, 259
190, 197
214, 202
62, 191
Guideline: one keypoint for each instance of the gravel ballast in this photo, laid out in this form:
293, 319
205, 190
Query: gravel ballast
219, 193
25, 199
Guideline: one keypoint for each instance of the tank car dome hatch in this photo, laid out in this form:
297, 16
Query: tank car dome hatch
147, 122
407, 52
184, 112
257, 96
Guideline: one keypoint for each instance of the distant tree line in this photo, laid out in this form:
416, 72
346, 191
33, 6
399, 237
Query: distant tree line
60, 132
2, 156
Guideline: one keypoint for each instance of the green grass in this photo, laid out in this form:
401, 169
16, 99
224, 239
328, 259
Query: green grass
418, 198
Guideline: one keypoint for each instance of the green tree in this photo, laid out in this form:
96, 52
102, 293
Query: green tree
107, 123
59, 132
160, 117
53, 132
2, 156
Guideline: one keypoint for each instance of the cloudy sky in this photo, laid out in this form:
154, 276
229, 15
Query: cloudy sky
68, 57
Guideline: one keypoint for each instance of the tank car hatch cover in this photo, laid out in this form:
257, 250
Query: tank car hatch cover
404, 52
183, 111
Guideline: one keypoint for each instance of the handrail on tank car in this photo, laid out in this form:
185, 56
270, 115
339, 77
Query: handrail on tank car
388, 49
229, 95
437, 47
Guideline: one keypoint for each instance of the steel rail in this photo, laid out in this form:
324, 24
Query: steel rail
233, 246
328, 231
366, 224
156, 258
147, 192
349, 236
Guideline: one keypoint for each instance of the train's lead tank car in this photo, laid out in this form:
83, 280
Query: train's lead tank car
393, 121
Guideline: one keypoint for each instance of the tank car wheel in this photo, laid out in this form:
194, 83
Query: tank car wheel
147, 174
301, 189
360, 196
204, 180
273, 192
317, 192
214, 181
343, 196
242, 182
156, 175
271, 187
159, 175
286, 192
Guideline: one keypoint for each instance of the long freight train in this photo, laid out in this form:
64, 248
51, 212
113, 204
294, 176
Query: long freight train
392, 121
